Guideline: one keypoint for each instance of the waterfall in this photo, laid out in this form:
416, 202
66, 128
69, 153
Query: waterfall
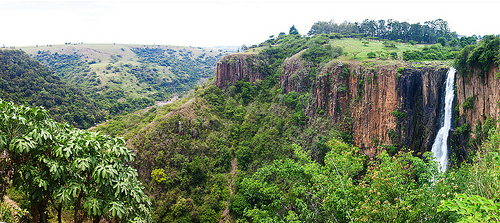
440, 146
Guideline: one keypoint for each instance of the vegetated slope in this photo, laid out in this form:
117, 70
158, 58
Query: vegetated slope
24, 80
287, 115
184, 150
124, 78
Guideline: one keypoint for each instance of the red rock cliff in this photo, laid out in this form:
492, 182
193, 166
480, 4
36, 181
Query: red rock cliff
366, 100
236, 67
374, 103
483, 91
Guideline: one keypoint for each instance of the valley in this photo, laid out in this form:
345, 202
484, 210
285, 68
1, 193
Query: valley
124, 78
334, 126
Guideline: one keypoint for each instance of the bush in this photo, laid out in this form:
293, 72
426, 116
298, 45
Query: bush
322, 53
398, 114
481, 56
469, 102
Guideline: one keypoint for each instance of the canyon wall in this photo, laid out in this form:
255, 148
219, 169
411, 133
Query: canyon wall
378, 104
477, 100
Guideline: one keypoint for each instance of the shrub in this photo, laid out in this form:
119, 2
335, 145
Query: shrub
398, 114
469, 102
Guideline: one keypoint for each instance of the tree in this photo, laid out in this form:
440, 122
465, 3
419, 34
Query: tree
244, 47
442, 41
354, 54
293, 31
56, 164
98, 181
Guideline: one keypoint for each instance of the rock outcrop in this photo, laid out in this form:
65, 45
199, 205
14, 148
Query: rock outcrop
377, 104
236, 67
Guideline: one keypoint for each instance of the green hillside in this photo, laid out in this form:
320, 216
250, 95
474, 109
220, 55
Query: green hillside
124, 78
26, 81
253, 146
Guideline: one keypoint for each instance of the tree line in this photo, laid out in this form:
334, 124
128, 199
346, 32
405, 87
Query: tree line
390, 29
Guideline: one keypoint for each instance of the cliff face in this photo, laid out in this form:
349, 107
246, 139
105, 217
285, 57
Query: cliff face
236, 67
375, 104
482, 94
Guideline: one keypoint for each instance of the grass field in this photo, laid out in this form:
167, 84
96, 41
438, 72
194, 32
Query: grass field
351, 46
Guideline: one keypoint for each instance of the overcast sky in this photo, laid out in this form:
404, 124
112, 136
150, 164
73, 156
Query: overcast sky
218, 23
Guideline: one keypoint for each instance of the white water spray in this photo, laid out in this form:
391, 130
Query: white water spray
440, 146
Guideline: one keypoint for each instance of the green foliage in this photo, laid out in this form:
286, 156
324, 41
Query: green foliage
293, 31
429, 32
398, 114
401, 70
434, 52
477, 201
152, 73
371, 55
442, 41
481, 56
473, 208
463, 129
10, 215
390, 44
322, 53
159, 175
57, 164
27, 82
469, 102
346, 188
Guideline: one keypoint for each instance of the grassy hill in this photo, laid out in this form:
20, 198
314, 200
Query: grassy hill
123, 78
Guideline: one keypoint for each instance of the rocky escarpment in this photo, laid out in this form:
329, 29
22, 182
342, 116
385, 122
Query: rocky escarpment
247, 67
477, 100
378, 105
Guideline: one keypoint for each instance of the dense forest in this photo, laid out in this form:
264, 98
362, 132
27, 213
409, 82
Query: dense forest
27, 82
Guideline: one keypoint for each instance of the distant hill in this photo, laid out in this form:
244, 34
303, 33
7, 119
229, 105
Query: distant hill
124, 78
26, 81
233, 49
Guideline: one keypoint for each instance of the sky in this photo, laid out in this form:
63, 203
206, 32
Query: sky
211, 23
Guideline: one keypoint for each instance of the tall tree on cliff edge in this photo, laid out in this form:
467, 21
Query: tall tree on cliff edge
56, 164
293, 31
